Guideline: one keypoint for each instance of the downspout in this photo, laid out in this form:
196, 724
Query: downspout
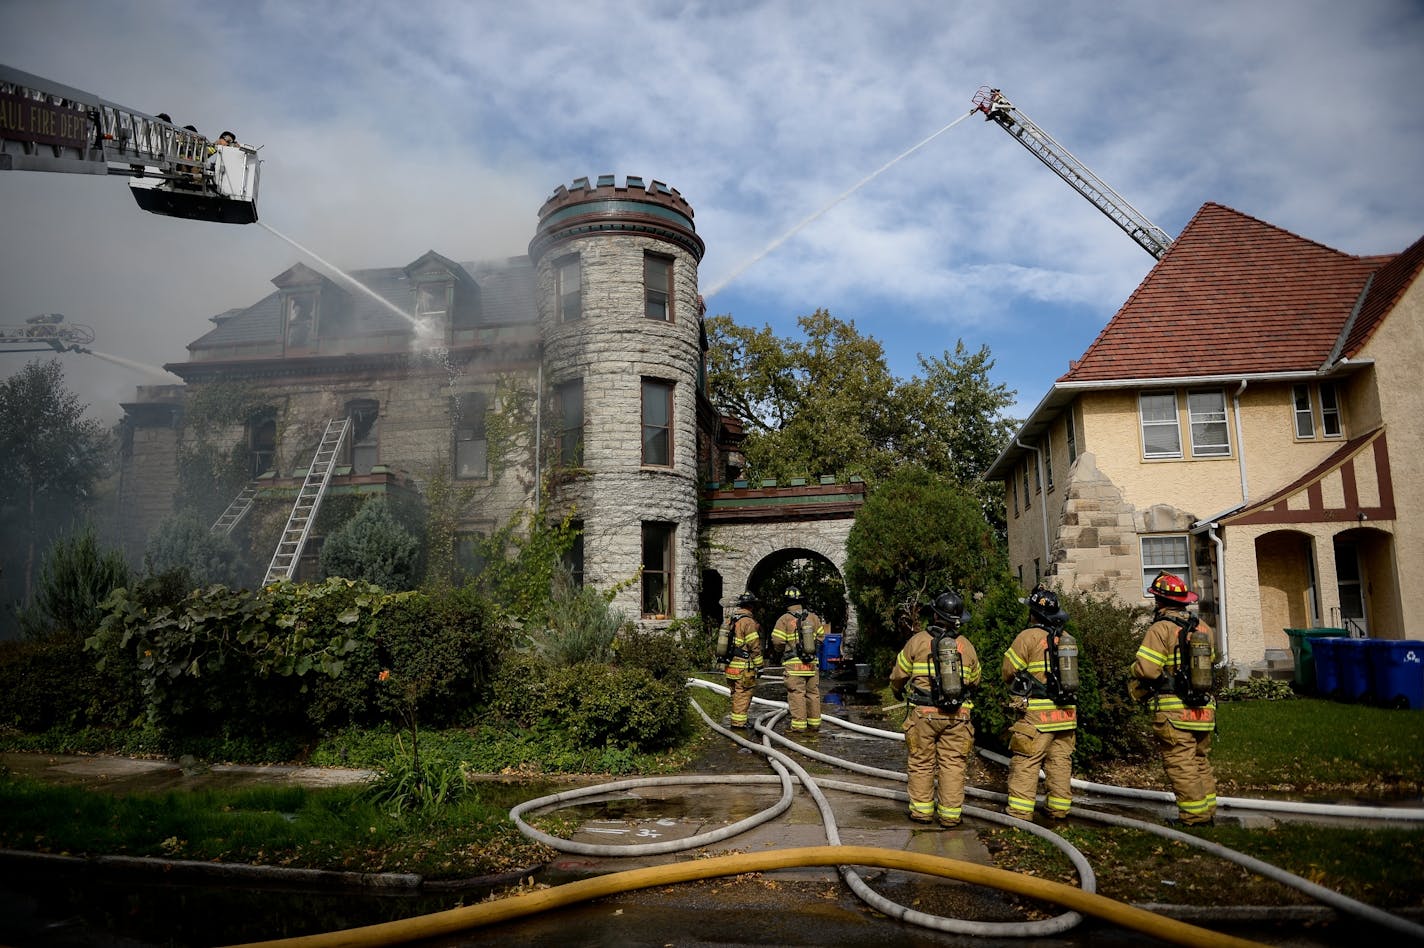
1043, 499
1225, 658
1240, 444
539, 436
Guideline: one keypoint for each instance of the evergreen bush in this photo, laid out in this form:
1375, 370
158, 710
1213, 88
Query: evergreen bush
184, 545
373, 546
75, 578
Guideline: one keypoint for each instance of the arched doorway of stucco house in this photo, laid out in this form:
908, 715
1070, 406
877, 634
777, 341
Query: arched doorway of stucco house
816, 576
1367, 584
1286, 583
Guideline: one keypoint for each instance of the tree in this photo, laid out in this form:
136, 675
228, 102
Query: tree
917, 535
54, 458
822, 406
955, 422
373, 547
829, 405
74, 579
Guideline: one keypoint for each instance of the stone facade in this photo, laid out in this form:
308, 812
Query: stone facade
504, 341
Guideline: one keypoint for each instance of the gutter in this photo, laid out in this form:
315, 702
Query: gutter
1042, 502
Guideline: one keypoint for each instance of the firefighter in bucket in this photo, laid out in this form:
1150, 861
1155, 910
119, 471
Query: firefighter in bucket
1173, 671
1041, 669
934, 673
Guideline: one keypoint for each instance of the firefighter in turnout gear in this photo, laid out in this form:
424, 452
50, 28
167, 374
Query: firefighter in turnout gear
1041, 669
1173, 671
934, 673
795, 641
743, 657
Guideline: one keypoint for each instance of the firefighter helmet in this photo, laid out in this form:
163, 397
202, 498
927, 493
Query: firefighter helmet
1043, 606
792, 594
1171, 588
949, 607
746, 600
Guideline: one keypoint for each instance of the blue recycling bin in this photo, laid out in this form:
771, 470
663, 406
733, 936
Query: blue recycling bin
1327, 666
830, 653
1397, 672
1353, 661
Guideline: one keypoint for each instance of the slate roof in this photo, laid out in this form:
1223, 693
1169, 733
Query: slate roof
1235, 295
507, 295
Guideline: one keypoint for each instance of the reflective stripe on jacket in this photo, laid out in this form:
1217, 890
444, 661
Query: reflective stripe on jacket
783, 636
1029, 653
1158, 656
746, 645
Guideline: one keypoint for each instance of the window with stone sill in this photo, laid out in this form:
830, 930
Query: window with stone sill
363, 441
657, 569
1165, 553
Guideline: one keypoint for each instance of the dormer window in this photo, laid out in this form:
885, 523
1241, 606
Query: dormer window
299, 313
432, 298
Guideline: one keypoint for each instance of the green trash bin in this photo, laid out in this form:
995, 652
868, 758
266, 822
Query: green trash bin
1303, 654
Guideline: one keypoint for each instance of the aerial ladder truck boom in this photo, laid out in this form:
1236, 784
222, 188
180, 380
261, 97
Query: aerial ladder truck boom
998, 109
44, 332
45, 126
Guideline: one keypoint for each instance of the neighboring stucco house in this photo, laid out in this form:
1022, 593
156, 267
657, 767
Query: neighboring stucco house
1249, 419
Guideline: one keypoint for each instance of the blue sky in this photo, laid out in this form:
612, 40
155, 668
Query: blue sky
391, 129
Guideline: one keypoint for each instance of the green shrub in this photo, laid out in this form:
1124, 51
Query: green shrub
445, 643
579, 625
75, 578
186, 546
602, 706
53, 683
667, 654
1110, 724
374, 547
1258, 689
518, 690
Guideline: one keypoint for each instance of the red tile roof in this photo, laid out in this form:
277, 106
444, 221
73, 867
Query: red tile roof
1233, 295
1389, 283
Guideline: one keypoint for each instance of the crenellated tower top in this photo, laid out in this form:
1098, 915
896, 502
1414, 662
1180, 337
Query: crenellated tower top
652, 209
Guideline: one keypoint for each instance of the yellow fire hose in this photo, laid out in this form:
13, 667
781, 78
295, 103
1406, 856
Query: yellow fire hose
489, 913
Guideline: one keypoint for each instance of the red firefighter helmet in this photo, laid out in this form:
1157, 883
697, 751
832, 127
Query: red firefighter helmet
1171, 588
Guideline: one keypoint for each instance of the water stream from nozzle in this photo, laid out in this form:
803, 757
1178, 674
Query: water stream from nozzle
738, 271
126, 363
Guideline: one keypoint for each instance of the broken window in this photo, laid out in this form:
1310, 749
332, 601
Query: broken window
363, 435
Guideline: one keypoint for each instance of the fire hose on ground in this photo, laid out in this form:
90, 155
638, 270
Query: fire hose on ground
1077, 900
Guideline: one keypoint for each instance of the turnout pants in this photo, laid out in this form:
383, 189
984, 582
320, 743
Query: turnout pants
1184, 756
1032, 749
803, 700
742, 687
938, 746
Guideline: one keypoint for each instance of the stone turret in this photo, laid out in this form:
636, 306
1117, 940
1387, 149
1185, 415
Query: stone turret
618, 305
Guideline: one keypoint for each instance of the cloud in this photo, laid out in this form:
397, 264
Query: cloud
391, 129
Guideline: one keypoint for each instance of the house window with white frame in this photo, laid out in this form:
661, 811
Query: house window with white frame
1330, 424
1161, 433
1206, 412
1165, 553
1304, 412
